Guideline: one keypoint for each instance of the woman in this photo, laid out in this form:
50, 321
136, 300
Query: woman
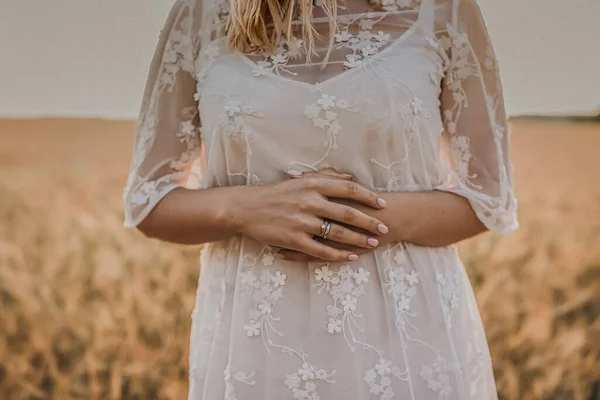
330, 155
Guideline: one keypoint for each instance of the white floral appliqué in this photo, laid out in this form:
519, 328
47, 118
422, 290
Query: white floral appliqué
412, 115
235, 124
450, 285
303, 383
189, 136
461, 157
182, 167
380, 377
345, 286
401, 281
276, 61
364, 44
437, 378
323, 114
266, 288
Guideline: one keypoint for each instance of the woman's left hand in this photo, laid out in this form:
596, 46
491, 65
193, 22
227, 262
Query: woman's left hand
330, 173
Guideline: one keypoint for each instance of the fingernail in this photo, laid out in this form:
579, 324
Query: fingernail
382, 228
381, 202
295, 172
373, 242
352, 257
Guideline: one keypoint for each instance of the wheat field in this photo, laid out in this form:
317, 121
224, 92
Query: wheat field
89, 310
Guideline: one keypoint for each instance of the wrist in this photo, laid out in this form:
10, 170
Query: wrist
395, 216
231, 209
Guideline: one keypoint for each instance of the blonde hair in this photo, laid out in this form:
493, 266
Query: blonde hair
260, 25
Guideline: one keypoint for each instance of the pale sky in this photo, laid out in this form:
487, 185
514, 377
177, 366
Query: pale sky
89, 58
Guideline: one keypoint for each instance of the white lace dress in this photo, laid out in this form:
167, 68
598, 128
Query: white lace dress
410, 100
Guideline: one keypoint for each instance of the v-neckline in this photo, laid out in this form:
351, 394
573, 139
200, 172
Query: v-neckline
319, 85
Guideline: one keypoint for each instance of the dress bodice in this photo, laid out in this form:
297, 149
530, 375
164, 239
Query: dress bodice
367, 122
406, 96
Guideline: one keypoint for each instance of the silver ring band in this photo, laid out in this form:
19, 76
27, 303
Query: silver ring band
325, 228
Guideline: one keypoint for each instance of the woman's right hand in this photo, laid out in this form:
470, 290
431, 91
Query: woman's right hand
289, 214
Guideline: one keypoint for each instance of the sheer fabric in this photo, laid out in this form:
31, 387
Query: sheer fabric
409, 99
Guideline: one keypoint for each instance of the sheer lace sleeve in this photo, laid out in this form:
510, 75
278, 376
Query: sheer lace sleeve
476, 136
167, 145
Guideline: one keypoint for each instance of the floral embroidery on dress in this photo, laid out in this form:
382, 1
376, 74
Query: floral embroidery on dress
437, 378
345, 286
401, 281
303, 383
450, 285
363, 44
414, 118
455, 52
232, 377
150, 190
188, 135
412, 115
324, 116
177, 58
379, 379
177, 55
234, 124
276, 61
461, 157
266, 288
394, 181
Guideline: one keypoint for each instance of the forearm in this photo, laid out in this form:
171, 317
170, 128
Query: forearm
194, 216
431, 218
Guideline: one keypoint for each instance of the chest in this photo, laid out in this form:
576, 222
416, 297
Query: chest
408, 73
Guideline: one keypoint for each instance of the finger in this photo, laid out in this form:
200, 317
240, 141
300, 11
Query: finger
323, 175
335, 174
339, 246
329, 173
321, 251
290, 255
340, 234
342, 246
348, 190
350, 216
